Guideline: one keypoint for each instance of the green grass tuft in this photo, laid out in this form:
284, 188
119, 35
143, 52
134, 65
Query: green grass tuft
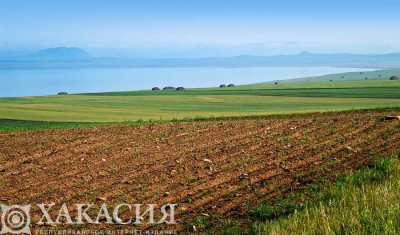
366, 202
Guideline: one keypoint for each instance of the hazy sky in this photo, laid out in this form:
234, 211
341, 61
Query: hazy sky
245, 25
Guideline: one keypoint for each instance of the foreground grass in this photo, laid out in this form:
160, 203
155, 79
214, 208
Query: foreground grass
367, 202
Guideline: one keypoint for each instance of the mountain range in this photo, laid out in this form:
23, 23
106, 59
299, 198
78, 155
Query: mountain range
64, 57
59, 53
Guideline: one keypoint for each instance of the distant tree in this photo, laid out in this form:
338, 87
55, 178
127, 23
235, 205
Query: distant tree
168, 88
331, 80
231, 85
276, 83
394, 78
180, 88
366, 78
62, 93
222, 86
155, 89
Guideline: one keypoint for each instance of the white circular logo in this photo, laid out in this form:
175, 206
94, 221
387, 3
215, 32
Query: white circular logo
15, 219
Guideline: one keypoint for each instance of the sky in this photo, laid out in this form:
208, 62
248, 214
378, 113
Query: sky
202, 27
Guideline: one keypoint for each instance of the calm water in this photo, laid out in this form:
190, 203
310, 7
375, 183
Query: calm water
48, 82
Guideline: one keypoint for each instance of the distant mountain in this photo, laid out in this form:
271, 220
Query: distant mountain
63, 57
60, 53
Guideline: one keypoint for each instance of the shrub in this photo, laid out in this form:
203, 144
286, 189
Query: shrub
394, 78
168, 88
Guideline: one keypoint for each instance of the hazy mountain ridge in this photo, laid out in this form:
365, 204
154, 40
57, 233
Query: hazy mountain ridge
63, 57
60, 53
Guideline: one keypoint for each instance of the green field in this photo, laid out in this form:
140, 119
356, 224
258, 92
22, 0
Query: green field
325, 93
260, 99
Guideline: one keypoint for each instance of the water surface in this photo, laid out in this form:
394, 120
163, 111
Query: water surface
51, 81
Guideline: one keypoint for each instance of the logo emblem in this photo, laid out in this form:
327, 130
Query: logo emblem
15, 219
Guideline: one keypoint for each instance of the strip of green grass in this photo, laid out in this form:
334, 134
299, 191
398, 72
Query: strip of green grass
17, 125
366, 202
86, 108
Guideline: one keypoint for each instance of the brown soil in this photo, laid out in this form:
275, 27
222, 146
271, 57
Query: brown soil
206, 167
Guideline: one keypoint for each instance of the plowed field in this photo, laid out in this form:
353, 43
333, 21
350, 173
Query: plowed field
211, 167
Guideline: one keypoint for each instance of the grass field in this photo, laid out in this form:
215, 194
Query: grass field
20, 125
260, 99
365, 202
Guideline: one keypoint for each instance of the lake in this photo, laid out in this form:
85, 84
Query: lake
51, 81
